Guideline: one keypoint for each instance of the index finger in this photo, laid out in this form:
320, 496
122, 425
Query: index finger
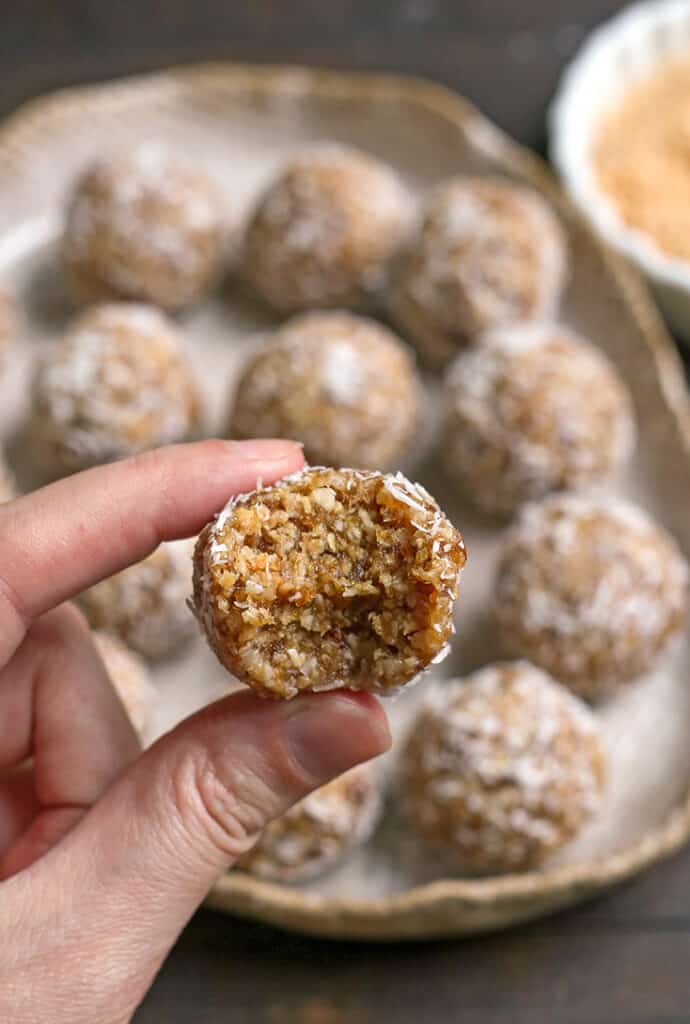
63, 538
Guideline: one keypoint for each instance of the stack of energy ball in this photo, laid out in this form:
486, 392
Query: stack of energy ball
348, 576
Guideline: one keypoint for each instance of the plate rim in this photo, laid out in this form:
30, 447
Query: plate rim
437, 908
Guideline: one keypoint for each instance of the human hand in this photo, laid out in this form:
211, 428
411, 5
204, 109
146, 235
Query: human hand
105, 854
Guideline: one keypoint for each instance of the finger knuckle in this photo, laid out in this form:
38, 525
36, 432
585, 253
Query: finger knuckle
219, 806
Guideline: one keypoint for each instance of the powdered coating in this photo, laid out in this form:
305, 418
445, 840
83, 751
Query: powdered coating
343, 385
117, 384
317, 833
146, 604
329, 578
502, 768
142, 226
325, 231
131, 679
488, 252
590, 589
533, 408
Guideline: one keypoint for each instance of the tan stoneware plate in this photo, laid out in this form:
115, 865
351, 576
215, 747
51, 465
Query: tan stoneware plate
241, 123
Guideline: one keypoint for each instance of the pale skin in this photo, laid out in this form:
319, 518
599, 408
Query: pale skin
105, 852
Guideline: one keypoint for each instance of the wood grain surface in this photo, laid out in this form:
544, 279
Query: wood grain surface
624, 959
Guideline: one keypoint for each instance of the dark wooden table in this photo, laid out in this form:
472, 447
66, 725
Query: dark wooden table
623, 959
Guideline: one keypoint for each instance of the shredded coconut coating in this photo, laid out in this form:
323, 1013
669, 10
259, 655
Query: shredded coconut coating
144, 227
116, 385
316, 834
130, 678
343, 385
488, 252
590, 589
325, 231
146, 604
329, 578
531, 409
501, 769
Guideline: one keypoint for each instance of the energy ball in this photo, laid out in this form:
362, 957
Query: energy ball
142, 227
130, 678
488, 252
316, 834
591, 590
116, 385
531, 409
145, 605
344, 386
325, 231
501, 769
329, 578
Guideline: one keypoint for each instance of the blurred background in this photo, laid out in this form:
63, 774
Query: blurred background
503, 55
623, 958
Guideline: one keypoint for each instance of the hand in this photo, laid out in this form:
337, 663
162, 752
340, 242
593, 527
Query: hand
105, 854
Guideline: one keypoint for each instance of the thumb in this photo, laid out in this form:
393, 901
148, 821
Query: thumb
139, 863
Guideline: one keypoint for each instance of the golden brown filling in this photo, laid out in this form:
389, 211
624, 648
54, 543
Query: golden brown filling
336, 578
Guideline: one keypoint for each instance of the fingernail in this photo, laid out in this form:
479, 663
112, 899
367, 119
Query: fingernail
329, 733
266, 450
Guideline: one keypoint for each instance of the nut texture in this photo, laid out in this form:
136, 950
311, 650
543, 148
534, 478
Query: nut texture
590, 589
329, 578
343, 385
502, 768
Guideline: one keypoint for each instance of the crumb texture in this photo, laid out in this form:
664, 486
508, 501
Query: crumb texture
142, 227
325, 231
343, 385
591, 589
502, 768
329, 578
116, 385
317, 833
531, 409
487, 253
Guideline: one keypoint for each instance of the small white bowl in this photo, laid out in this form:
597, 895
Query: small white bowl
626, 48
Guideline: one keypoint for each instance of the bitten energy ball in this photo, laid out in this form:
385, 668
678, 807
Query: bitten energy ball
145, 604
590, 589
316, 834
533, 408
325, 231
142, 227
131, 679
502, 768
118, 384
329, 578
343, 385
487, 253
